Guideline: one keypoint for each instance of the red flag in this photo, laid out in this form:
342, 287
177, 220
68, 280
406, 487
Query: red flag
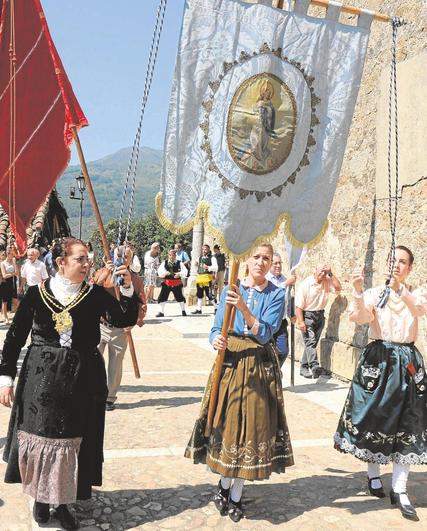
37, 109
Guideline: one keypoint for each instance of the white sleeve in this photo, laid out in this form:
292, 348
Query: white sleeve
6, 381
44, 271
214, 267
127, 292
162, 271
136, 264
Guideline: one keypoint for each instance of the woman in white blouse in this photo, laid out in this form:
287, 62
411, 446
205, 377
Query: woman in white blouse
385, 415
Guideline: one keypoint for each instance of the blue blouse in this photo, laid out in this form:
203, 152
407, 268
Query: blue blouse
267, 306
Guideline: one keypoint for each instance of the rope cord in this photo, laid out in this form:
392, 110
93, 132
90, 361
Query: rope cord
133, 162
392, 209
392, 166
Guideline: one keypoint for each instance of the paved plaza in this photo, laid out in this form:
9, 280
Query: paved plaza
149, 485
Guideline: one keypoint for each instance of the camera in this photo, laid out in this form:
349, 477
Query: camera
118, 261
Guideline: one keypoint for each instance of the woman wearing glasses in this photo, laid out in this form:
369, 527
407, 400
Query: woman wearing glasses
55, 438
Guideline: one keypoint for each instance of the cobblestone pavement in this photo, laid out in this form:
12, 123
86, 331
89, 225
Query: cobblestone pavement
149, 485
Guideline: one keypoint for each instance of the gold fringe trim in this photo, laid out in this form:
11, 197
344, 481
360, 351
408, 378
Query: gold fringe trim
202, 214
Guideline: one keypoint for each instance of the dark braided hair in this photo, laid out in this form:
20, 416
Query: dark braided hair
62, 248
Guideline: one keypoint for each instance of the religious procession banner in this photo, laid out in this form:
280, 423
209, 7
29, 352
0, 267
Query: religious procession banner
261, 106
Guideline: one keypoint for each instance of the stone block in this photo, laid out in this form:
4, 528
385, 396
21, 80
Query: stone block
339, 358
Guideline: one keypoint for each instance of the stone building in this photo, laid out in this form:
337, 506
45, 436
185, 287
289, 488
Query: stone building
359, 230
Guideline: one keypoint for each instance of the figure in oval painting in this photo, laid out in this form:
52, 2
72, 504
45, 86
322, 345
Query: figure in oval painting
261, 124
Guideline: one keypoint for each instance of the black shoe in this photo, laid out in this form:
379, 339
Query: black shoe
197, 312
184, 313
379, 492
235, 511
306, 372
221, 499
408, 511
41, 513
66, 519
109, 406
316, 371
160, 314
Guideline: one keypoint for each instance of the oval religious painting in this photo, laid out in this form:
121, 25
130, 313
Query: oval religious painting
261, 124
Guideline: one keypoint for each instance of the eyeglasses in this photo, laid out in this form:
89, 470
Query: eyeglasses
82, 260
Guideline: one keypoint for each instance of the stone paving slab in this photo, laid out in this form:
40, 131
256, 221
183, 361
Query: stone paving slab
148, 485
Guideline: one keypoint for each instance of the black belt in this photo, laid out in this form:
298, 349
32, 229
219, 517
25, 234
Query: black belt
231, 359
393, 342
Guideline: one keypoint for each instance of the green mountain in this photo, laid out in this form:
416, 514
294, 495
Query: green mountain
108, 176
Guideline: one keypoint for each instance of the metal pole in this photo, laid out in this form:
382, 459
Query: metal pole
81, 214
292, 337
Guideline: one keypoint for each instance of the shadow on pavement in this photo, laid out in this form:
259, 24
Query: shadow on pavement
275, 502
345, 491
157, 320
142, 506
322, 384
158, 389
165, 402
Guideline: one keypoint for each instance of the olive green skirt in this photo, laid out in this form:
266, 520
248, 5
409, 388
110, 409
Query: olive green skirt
250, 437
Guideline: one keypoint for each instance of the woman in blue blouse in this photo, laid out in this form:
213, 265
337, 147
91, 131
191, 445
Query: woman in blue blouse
249, 438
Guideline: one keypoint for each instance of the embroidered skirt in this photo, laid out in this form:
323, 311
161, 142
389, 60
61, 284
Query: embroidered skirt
385, 414
250, 437
55, 438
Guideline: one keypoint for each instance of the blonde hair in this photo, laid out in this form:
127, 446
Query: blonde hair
266, 85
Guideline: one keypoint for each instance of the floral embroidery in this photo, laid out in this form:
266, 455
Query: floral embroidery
371, 372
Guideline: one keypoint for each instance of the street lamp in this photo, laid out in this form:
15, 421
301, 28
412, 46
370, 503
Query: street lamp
81, 187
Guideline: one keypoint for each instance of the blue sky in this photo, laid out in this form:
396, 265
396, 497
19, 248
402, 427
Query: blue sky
104, 45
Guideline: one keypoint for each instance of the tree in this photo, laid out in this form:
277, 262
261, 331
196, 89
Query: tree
142, 233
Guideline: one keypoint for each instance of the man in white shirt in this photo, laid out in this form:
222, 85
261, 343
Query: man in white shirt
33, 271
171, 271
278, 279
207, 266
310, 302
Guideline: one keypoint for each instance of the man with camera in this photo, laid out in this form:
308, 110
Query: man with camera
310, 302
112, 338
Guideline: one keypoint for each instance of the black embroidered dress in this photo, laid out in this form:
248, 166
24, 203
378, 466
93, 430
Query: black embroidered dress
55, 438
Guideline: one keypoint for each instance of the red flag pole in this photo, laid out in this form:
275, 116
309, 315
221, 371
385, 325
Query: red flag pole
104, 240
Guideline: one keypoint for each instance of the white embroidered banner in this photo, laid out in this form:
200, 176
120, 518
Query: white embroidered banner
261, 105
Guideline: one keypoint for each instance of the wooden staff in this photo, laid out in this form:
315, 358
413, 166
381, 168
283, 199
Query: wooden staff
103, 239
226, 325
345, 9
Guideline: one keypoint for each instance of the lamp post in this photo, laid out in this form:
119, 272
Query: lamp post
81, 188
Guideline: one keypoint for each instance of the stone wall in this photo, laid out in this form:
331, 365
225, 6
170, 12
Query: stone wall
359, 231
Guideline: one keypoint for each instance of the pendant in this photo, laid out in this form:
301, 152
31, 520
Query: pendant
63, 321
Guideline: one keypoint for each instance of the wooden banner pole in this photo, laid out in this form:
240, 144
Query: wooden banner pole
351, 10
226, 325
104, 240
